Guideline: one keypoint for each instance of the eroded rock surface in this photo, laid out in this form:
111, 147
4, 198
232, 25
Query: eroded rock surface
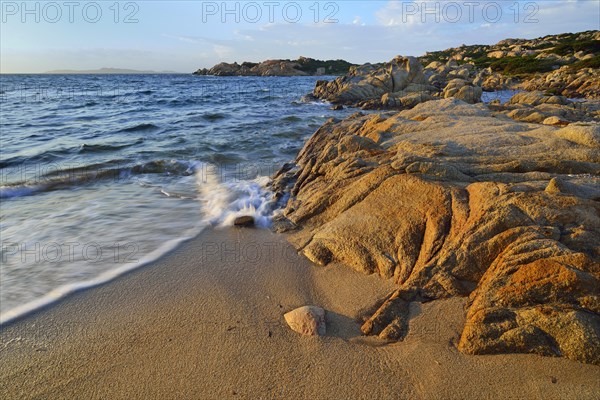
540, 108
451, 199
370, 82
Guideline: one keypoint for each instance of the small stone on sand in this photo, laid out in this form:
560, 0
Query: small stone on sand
244, 221
307, 320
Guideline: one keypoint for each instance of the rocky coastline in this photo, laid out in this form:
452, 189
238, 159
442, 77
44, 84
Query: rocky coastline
565, 65
449, 197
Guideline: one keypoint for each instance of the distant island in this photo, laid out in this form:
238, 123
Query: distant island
303, 66
107, 71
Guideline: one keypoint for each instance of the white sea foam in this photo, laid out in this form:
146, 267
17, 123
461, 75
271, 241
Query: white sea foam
223, 200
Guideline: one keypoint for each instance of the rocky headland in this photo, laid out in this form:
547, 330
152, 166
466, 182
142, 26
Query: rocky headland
448, 197
303, 66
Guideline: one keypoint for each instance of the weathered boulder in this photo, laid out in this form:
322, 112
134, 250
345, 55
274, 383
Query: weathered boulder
550, 64
461, 73
537, 108
469, 94
370, 82
224, 69
527, 115
434, 65
447, 200
497, 54
536, 98
307, 320
463, 90
404, 100
554, 120
277, 68
585, 189
491, 81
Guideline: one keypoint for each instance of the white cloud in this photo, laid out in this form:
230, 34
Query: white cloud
358, 21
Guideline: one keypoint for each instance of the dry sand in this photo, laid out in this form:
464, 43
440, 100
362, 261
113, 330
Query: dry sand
206, 321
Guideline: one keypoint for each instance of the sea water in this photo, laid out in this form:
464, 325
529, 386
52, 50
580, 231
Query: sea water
103, 173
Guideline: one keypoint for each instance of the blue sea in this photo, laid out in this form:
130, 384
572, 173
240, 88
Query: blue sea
103, 173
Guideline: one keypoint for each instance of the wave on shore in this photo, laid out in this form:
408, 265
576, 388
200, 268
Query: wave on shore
223, 201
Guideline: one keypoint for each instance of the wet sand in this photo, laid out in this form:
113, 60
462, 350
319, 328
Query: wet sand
206, 321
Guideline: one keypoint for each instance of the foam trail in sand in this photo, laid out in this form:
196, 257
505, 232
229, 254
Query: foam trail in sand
105, 277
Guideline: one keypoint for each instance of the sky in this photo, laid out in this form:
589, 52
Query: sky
182, 36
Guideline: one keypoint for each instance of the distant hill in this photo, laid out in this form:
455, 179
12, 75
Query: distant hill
107, 71
303, 66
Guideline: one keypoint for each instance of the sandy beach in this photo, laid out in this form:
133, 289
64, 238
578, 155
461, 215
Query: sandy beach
206, 321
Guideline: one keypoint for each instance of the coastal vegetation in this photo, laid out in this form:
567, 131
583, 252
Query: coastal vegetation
522, 57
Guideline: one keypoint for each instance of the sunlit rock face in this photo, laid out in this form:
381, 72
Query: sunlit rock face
451, 199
